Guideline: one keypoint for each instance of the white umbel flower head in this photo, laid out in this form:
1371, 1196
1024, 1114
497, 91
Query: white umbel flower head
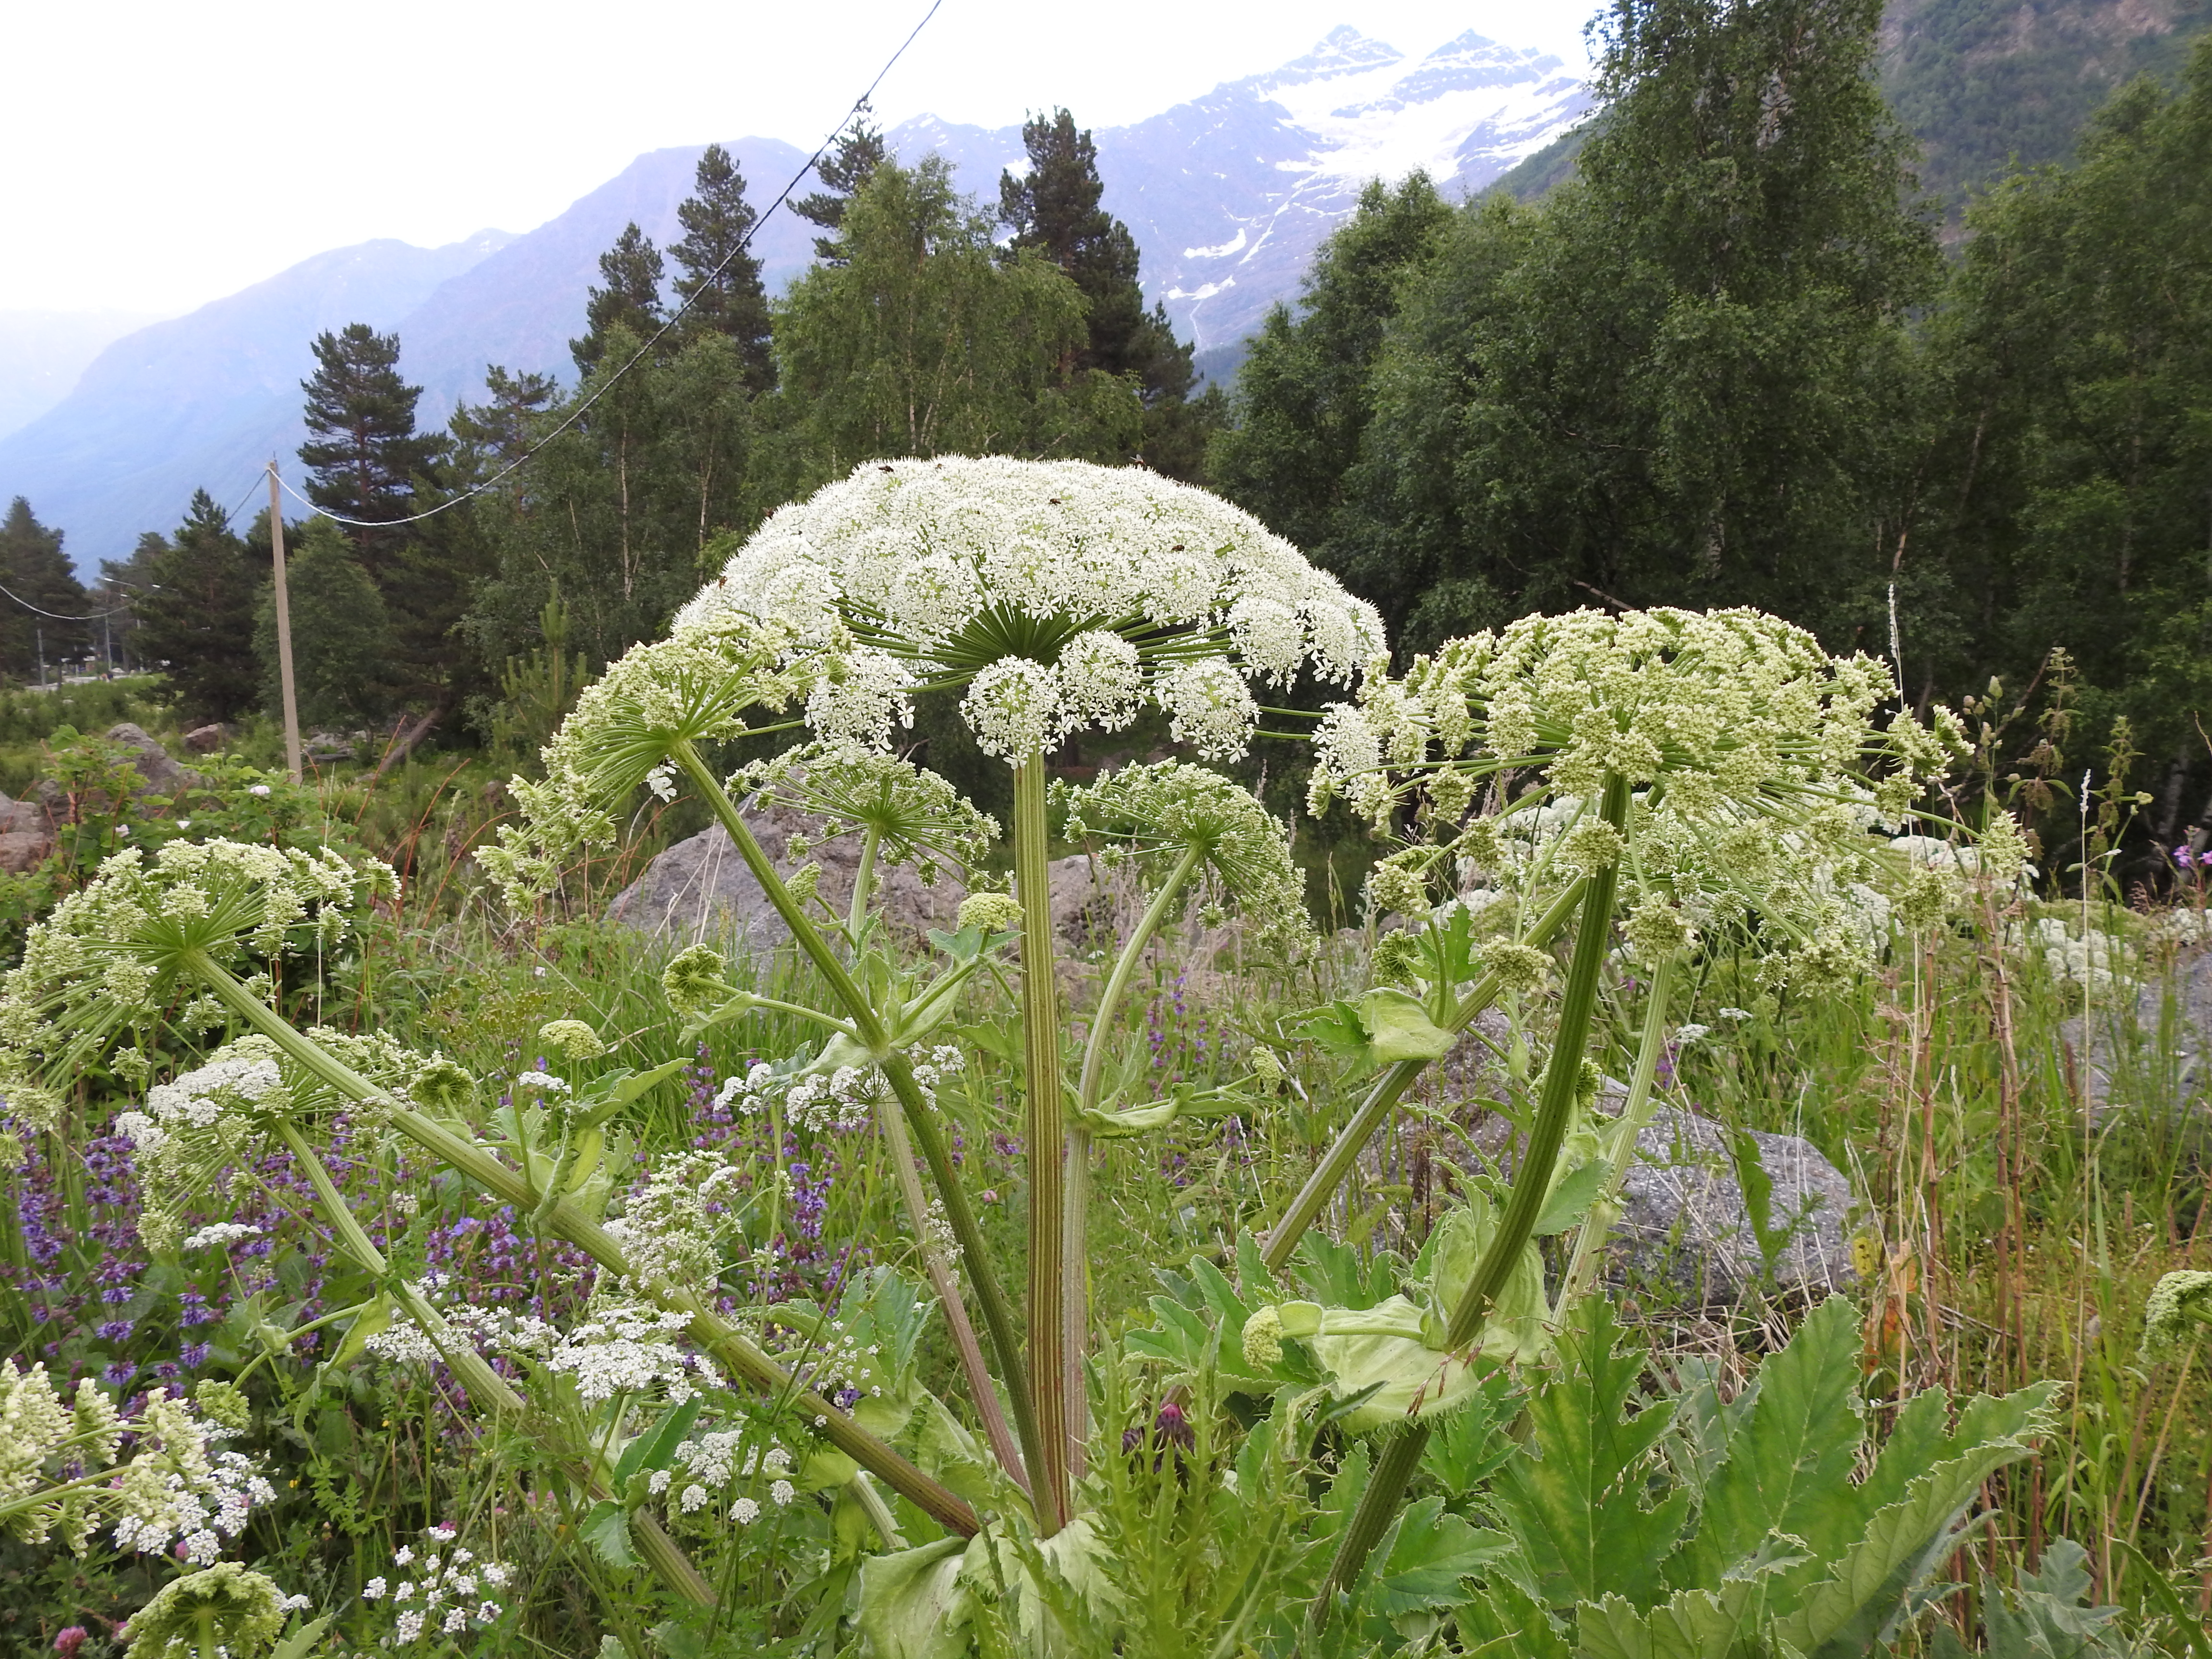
1113, 587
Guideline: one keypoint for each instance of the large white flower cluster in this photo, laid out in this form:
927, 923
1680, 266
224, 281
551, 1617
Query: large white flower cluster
111, 954
1759, 769
1062, 593
195, 1125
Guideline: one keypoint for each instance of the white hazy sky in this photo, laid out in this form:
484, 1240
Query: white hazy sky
154, 156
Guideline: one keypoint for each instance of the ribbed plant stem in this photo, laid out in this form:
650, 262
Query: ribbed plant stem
661, 1552
1532, 1183
1047, 1151
1075, 1225
998, 1321
712, 1332
1633, 1116
1344, 1152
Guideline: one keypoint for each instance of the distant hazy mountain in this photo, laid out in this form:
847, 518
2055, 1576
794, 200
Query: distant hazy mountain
1228, 197
42, 353
203, 399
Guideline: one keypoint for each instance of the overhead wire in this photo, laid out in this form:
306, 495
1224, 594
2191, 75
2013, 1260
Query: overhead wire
606, 386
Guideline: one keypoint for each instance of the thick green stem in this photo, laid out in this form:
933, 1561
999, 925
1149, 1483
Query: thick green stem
1621, 1147
1075, 1220
864, 884
999, 1320
1389, 1089
717, 1335
1532, 1183
1050, 1465
661, 1552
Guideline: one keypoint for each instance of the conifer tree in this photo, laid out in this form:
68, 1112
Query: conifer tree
721, 279
365, 460
343, 645
860, 151
34, 568
1054, 210
632, 271
195, 614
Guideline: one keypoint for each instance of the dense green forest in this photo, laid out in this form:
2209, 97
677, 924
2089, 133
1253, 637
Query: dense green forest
1726, 360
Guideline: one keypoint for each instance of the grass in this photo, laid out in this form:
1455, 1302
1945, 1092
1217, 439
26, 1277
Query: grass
2011, 1232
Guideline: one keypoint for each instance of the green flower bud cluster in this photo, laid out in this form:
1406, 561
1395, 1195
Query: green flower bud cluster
1158, 813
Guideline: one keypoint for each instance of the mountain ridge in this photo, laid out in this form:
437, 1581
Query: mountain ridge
1228, 196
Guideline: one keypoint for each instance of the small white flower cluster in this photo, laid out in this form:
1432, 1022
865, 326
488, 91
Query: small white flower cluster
623, 1349
671, 1228
182, 1490
444, 1591
626, 1350
194, 1126
696, 686
1154, 814
175, 1485
715, 1458
1067, 594
838, 1102
221, 1233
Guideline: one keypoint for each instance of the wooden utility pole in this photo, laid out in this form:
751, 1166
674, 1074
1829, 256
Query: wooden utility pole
283, 629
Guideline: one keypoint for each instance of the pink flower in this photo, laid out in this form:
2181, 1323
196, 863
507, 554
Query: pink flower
69, 1641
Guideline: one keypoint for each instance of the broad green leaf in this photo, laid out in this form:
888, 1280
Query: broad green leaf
1573, 1498
913, 1605
1398, 1027
1337, 1276
1467, 1446
1728, 1622
1503, 1621
652, 1449
1569, 1200
1852, 1609
374, 1319
302, 1642
1791, 1456
2046, 1617
1425, 1559
607, 1529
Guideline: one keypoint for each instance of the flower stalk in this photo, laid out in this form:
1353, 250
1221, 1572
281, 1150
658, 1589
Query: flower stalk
1634, 1115
868, 1025
1387, 1090
1532, 1183
1049, 1156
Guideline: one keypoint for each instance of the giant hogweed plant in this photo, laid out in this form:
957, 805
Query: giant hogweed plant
1703, 777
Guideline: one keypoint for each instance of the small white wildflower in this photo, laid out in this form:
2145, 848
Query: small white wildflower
221, 1233
256, 789
745, 1511
374, 1589
781, 1493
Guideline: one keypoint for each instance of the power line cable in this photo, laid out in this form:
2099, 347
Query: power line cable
56, 615
674, 317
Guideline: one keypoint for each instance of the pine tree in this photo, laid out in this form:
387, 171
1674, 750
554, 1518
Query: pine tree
632, 271
721, 279
365, 460
37, 574
860, 151
195, 614
1054, 210
343, 646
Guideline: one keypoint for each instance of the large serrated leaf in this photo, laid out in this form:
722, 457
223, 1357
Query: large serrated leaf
1790, 1457
1850, 1611
1573, 1498
1427, 1556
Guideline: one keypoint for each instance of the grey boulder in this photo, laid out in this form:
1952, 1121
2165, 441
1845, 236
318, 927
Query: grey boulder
151, 761
2135, 1052
1687, 1236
